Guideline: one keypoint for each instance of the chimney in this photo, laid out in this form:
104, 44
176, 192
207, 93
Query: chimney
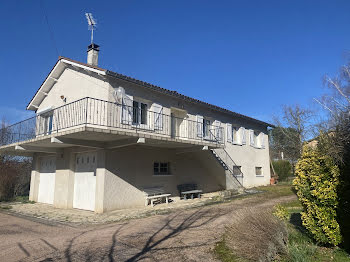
92, 57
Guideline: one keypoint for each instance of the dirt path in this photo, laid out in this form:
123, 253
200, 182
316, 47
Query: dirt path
180, 236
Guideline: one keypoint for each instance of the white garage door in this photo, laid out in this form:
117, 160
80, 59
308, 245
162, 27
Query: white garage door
47, 180
85, 181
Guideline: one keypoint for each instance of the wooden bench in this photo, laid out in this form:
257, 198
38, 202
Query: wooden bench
155, 194
192, 193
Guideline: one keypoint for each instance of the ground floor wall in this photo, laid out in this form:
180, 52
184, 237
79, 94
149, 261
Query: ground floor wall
124, 173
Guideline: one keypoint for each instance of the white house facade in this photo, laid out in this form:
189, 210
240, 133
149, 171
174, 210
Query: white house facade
100, 139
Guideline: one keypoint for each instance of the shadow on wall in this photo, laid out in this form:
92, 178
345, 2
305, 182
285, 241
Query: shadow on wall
133, 167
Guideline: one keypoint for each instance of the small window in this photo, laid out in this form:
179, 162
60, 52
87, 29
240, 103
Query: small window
77, 160
237, 170
87, 160
258, 171
161, 168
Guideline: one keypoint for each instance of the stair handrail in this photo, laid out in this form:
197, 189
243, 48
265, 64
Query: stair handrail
230, 158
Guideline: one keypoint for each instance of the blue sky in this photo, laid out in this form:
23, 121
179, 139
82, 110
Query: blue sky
248, 56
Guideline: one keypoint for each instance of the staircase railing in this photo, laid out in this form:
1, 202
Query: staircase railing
229, 164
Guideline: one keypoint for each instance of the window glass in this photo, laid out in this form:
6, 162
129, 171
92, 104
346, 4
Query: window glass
161, 168
135, 112
258, 171
143, 114
206, 127
237, 170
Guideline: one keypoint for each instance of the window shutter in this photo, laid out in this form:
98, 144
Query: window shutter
251, 137
158, 116
127, 110
229, 132
200, 121
243, 136
262, 140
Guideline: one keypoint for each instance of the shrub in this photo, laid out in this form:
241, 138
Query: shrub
281, 212
283, 169
317, 178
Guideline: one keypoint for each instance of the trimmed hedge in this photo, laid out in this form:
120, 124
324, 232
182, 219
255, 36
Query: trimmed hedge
317, 178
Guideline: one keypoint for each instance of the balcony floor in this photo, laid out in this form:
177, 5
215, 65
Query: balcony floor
100, 138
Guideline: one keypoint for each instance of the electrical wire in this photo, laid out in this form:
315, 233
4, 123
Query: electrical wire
49, 27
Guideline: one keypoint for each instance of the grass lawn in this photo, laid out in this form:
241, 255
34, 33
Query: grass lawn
300, 248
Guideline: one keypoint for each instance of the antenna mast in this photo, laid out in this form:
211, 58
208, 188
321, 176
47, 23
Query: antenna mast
92, 25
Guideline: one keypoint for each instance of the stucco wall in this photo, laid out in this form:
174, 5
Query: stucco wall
74, 85
246, 156
130, 170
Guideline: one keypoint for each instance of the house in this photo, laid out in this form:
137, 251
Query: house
99, 139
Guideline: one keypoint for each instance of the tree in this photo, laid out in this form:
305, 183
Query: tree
293, 128
316, 182
337, 143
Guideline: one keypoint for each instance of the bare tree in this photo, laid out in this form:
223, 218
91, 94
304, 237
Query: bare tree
293, 129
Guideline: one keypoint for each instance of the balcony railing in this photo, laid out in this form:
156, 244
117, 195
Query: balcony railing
98, 113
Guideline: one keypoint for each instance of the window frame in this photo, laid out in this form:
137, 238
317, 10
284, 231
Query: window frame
206, 128
240, 169
159, 172
139, 114
261, 171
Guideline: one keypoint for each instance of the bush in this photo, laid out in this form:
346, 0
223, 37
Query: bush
283, 169
317, 178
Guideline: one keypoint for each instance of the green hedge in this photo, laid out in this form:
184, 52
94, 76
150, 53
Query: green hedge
317, 178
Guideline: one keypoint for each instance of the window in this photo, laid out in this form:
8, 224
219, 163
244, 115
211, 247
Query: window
258, 171
161, 168
237, 170
139, 113
48, 119
206, 127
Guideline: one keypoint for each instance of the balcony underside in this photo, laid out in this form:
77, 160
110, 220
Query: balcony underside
89, 137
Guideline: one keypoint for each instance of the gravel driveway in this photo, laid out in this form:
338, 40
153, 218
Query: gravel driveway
184, 235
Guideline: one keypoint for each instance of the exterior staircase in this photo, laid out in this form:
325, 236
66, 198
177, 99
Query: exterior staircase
235, 177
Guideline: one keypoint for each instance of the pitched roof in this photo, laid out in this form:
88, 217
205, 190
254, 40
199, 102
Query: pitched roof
158, 89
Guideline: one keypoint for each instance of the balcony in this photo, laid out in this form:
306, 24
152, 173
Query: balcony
97, 120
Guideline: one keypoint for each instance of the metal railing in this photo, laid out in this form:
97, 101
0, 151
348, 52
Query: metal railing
229, 164
99, 113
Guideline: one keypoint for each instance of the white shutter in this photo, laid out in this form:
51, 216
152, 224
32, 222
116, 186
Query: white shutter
200, 121
262, 140
243, 136
251, 137
158, 116
127, 104
229, 132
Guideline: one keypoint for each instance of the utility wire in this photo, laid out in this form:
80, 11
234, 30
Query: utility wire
49, 28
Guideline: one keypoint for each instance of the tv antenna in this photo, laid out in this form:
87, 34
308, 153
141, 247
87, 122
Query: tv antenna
92, 25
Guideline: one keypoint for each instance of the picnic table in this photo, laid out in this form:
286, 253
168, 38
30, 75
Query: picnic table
154, 194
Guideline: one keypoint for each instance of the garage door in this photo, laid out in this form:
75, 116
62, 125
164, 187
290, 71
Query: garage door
47, 180
85, 181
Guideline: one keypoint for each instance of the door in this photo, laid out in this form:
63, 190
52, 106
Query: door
47, 180
85, 181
